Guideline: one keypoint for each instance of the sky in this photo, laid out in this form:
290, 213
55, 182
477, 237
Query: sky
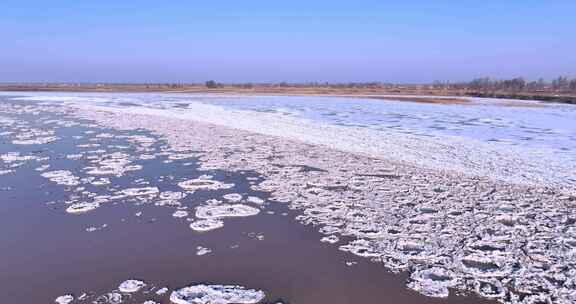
294, 41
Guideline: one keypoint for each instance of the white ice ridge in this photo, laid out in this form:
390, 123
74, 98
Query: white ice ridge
216, 294
459, 154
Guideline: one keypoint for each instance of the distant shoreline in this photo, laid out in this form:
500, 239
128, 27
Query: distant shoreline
456, 96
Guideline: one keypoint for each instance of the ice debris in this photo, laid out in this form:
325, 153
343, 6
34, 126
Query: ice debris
203, 184
216, 294
180, 213
62, 177
202, 250
76, 208
130, 286
206, 225
215, 212
65, 299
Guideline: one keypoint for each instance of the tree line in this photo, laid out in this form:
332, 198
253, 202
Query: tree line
562, 84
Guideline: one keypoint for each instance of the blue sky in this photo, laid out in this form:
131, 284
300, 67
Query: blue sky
269, 41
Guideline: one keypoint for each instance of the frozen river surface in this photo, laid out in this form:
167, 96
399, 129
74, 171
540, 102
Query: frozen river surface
527, 142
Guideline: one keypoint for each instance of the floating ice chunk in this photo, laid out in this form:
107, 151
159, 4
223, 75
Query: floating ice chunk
213, 202
180, 156
202, 250
105, 135
74, 156
101, 181
15, 157
171, 195
3, 172
217, 294
329, 230
133, 168
485, 265
168, 203
42, 168
332, 239
150, 302
104, 170
203, 184
142, 140
180, 213
88, 145
233, 197
255, 200
110, 298
361, 248
490, 288
433, 282
130, 286
162, 291
140, 191
206, 225
237, 210
35, 141
62, 177
256, 235
66, 299
82, 207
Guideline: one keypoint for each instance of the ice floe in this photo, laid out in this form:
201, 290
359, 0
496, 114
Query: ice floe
433, 282
34, 141
222, 211
130, 286
203, 184
202, 250
206, 225
233, 197
62, 177
77, 208
140, 191
180, 213
332, 239
110, 298
65, 299
255, 200
221, 294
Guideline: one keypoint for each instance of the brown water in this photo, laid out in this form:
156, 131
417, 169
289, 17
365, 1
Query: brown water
45, 252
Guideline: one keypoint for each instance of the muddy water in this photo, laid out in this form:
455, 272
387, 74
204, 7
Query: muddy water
46, 252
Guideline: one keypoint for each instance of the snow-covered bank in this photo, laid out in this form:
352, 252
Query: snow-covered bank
528, 146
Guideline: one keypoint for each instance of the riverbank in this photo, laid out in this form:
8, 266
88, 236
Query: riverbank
458, 96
